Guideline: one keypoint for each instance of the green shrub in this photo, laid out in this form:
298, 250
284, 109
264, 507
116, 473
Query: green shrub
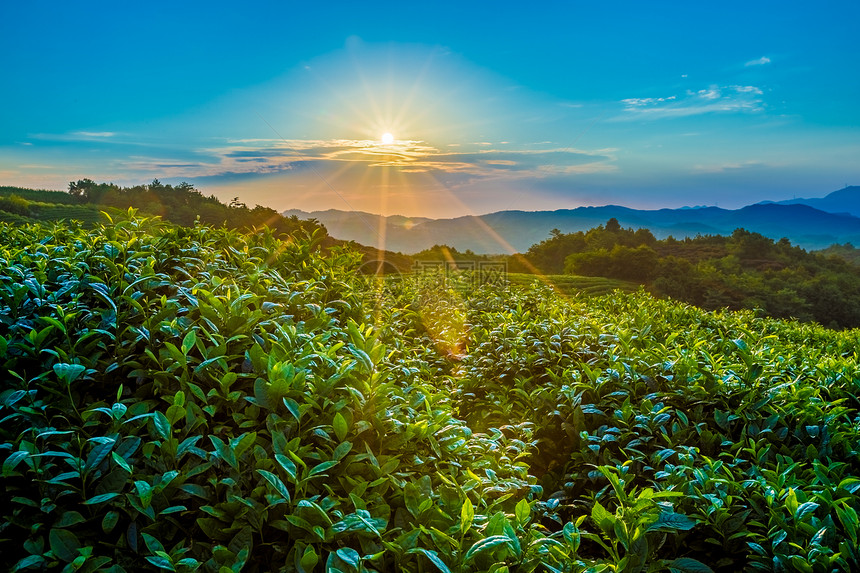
190, 399
15, 205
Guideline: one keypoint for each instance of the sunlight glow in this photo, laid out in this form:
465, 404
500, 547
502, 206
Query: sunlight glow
387, 138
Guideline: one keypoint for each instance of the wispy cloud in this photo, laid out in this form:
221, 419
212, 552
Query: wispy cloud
104, 136
95, 133
764, 60
260, 156
645, 101
714, 99
728, 167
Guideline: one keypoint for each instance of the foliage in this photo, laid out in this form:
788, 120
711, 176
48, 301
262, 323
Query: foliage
743, 271
183, 204
203, 399
38, 195
847, 251
15, 204
574, 285
450, 254
754, 421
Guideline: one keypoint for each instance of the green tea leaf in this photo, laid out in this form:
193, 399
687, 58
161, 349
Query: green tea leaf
342, 450
98, 454
144, 492
851, 484
340, 426
101, 498
309, 559
485, 545
572, 536
64, 544
293, 408
320, 468
276, 483
288, 466
604, 520
121, 462
434, 558
29, 562
70, 518
224, 452
688, 565
162, 425
68, 373
467, 515
805, 509
523, 511
791, 501
671, 521
189, 342
350, 556
161, 561
153, 544
13, 460
109, 521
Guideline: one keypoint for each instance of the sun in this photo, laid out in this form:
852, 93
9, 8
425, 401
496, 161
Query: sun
387, 138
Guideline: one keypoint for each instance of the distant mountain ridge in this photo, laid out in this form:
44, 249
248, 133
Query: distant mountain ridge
846, 200
505, 231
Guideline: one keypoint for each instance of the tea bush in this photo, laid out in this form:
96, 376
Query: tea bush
190, 399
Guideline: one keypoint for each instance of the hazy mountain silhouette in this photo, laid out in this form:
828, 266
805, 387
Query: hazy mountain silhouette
845, 200
506, 231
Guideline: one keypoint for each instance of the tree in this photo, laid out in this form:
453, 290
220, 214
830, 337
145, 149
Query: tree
80, 187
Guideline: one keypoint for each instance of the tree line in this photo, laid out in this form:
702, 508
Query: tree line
745, 270
184, 205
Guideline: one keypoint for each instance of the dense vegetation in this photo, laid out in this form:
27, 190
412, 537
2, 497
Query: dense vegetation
574, 284
847, 251
200, 399
181, 204
27, 206
742, 271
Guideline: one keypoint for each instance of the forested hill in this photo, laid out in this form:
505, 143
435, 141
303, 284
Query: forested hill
181, 204
741, 270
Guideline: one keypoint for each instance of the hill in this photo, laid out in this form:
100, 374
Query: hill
845, 200
181, 204
506, 231
203, 399
741, 270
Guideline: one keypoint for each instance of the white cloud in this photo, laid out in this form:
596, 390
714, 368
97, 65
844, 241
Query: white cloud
95, 133
747, 90
646, 101
759, 62
713, 99
709, 94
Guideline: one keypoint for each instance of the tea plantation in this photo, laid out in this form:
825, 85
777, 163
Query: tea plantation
184, 399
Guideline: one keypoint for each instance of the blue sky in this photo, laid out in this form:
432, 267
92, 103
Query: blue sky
492, 105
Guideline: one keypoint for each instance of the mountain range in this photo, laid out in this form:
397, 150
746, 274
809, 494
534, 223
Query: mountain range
810, 223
